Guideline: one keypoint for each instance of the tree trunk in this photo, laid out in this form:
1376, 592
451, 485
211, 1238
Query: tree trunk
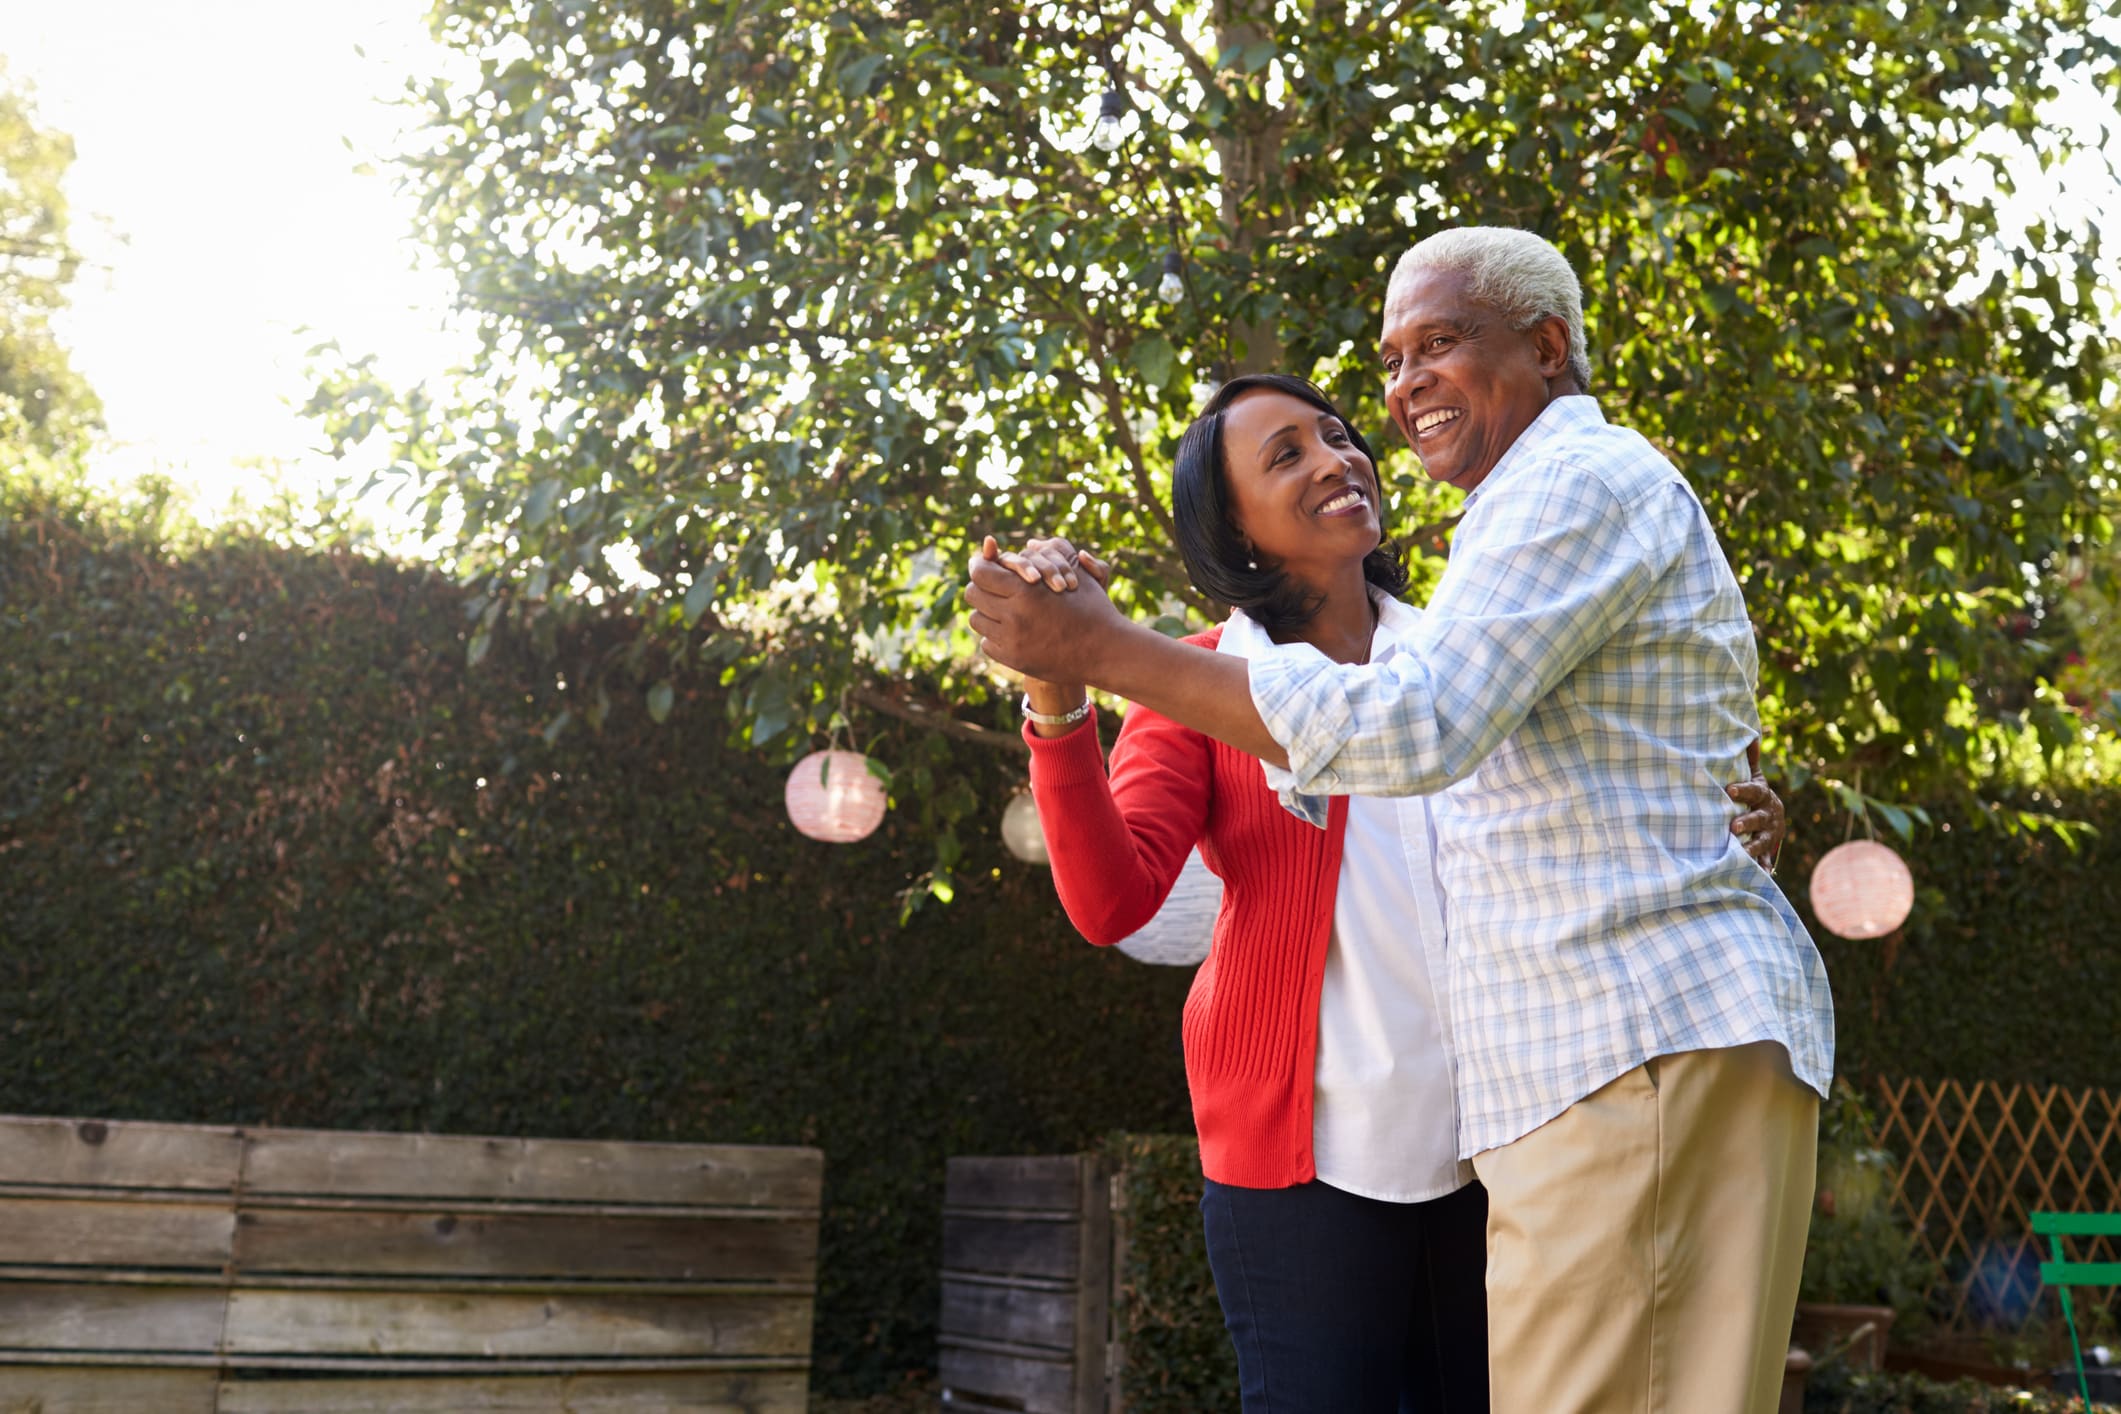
1250, 152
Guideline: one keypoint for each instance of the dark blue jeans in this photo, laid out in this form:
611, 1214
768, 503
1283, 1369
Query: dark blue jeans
1345, 1305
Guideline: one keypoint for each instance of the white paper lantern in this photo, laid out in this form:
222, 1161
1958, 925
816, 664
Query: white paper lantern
1862, 890
1021, 832
1180, 933
833, 796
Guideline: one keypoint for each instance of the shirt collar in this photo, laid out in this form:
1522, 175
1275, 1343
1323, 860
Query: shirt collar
1573, 412
1244, 638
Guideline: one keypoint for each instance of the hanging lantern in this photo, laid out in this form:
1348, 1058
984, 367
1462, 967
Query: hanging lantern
1181, 931
835, 797
1021, 832
1110, 131
1862, 890
1172, 288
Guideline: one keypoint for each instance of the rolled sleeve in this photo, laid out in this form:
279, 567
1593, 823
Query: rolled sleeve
1304, 708
1534, 586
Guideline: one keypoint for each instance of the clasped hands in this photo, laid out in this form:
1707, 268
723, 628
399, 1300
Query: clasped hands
1050, 637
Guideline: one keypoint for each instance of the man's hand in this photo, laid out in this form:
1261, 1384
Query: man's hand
1057, 637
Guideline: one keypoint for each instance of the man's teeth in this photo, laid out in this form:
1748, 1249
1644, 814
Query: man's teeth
1341, 502
1429, 421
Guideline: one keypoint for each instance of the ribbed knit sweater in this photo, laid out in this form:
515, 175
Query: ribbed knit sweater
1119, 838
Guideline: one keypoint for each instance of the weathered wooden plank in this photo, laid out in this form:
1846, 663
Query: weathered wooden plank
78, 1316
1052, 1181
1008, 1247
995, 1311
58, 1389
550, 1170
87, 1232
358, 1242
1093, 1291
1013, 1381
388, 1324
117, 1153
504, 1394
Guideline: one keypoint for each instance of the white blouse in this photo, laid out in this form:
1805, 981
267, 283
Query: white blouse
1384, 1117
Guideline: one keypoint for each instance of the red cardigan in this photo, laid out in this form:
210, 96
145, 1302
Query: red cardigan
1118, 842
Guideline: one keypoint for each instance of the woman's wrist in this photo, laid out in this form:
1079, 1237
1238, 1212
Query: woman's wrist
1054, 699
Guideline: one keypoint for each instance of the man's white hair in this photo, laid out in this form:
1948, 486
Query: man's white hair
1516, 272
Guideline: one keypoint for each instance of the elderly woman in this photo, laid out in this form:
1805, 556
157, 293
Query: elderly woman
1345, 1234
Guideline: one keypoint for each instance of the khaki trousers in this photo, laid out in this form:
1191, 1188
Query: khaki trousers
1644, 1245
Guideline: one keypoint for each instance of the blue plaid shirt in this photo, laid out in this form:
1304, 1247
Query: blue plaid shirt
1576, 697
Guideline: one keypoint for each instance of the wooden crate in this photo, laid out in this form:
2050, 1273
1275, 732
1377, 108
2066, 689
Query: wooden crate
1027, 1281
178, 1268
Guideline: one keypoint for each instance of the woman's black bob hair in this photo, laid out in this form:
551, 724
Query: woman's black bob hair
1208, 539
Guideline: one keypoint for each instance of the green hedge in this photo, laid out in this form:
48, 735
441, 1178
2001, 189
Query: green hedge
1175, 1356
269, 853
2009, 969
249, 873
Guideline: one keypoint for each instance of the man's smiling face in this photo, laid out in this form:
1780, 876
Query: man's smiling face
1461, 384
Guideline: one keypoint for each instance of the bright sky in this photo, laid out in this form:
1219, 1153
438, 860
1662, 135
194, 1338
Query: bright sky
230, 228
215, 195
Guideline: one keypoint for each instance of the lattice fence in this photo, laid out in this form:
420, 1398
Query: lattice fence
1976, 1160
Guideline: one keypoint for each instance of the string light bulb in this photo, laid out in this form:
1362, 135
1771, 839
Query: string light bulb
1172, 288
1110, 110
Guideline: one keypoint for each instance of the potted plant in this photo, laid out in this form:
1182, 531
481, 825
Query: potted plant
1862, 1271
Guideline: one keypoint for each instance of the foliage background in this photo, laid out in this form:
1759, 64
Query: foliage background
248, 874
783, 304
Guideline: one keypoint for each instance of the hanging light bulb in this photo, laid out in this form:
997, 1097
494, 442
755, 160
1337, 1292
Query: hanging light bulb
1110, 110
1172, 288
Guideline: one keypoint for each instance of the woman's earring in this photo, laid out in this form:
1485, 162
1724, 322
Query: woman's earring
1252, 564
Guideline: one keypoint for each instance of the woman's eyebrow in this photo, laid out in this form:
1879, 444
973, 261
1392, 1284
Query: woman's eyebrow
1268, 440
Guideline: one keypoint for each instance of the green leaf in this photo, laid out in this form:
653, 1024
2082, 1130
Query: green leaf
661, 698
700, 593
537, 506
855, 77
1155, 359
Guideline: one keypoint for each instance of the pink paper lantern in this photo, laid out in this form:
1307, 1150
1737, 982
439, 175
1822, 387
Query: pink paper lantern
1862, 890
833, 796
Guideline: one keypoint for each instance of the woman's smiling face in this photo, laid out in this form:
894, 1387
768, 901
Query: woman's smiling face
1300, 490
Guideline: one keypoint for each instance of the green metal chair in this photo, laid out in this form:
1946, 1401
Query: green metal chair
2062, 1273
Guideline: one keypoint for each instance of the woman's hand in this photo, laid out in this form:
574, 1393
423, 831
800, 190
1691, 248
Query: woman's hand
1054, 561
1763, 825
1057, 563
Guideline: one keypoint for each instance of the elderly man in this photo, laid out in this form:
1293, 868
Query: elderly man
1646, 1027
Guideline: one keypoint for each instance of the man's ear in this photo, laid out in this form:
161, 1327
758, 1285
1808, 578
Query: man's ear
1550, 340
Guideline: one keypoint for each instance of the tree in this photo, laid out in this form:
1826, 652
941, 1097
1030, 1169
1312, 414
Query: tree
46, 407
792, 300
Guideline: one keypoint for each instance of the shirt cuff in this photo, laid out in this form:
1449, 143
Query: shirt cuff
1307, 713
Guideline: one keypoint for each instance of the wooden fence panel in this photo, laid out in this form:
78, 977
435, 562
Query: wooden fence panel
1027, 1275
1976, 1161
153, 1268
